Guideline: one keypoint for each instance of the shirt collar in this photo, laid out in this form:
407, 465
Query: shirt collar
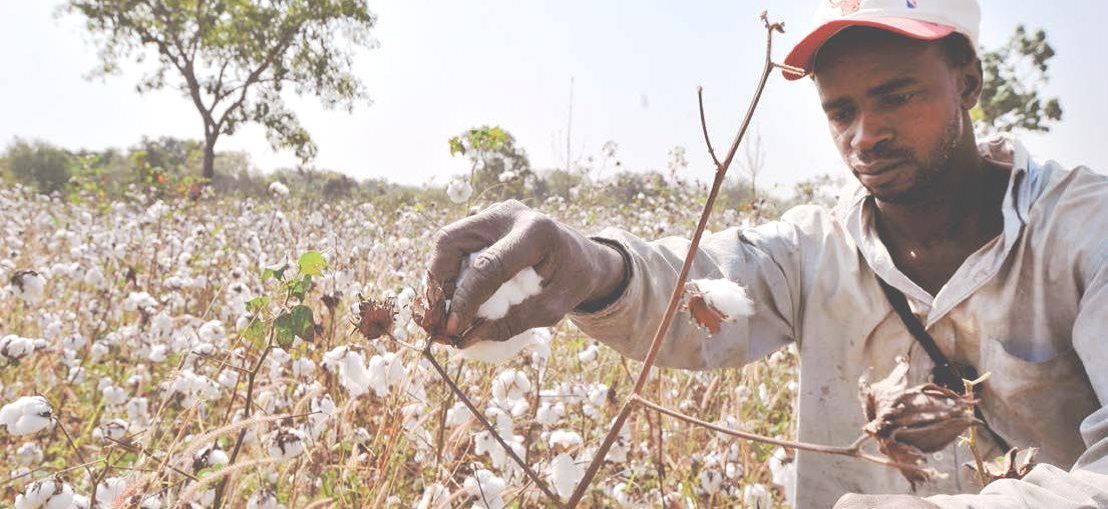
855, 212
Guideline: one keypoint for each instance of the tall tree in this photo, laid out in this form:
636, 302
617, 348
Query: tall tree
234, 58
1012, 92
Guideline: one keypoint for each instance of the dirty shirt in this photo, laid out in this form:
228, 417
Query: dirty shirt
1030, 307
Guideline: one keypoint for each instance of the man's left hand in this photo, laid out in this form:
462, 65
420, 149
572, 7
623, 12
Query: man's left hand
856, 501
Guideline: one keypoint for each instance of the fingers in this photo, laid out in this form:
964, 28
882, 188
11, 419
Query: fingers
519, 249
453, 242
535, 311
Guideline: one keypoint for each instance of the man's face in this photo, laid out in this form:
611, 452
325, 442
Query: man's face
895, 109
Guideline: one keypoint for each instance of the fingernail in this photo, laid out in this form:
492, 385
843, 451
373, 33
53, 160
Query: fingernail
452, 324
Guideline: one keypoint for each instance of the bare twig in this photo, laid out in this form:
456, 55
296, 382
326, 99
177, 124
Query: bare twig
678, 289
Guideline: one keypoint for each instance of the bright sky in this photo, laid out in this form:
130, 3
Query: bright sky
444, 66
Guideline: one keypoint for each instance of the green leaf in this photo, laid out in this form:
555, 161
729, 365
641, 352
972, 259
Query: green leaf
298, 288
257, 304
255, 333
312, 263
275, 271
297, 322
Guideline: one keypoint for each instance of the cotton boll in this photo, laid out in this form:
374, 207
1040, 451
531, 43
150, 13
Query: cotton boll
710, 481
114, 395
263, 499
589, 354
550, 414
13, 348
510, 385
783, 469
209, 456
757, 496
278, 188
564, 439
109, 490
726, 296
459, 191
435, 496
487, 488
46, 494
26, 415
286, 443
114, 429
564, 474
29, 286
350, 368
28, 454
458, 414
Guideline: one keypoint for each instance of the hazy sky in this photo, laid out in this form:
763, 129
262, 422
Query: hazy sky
443, 66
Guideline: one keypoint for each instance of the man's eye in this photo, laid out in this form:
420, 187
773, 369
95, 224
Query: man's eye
898, 99
839, 116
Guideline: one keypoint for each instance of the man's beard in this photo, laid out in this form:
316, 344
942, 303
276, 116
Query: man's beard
929, 172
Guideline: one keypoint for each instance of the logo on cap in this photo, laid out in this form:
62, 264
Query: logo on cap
846, 6
911, 3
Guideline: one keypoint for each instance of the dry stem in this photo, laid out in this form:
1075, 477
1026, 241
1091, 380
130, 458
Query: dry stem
675, 297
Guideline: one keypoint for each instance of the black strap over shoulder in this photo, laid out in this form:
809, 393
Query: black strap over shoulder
945, 373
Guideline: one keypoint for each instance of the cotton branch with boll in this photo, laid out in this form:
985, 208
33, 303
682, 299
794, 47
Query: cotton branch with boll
28, 285
908, 422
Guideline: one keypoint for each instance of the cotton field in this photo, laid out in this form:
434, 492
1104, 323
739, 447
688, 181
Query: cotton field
198, 353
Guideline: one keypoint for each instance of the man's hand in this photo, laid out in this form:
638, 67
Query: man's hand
856, 501
574, 269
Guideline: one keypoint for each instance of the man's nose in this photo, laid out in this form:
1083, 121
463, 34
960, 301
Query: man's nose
869, 131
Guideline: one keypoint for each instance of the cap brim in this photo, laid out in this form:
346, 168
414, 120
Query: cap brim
802, 53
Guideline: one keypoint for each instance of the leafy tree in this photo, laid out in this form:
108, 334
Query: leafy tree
495, 161
234, 58
1014, 76
39, 164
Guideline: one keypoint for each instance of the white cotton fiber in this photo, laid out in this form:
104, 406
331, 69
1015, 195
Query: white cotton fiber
26, 415
727, 296
497, 352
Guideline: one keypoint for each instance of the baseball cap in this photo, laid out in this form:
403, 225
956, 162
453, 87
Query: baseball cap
920, 19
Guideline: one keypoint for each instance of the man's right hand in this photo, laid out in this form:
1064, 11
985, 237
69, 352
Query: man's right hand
574, 270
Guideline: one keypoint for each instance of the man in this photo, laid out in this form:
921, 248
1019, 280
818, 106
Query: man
1003, 259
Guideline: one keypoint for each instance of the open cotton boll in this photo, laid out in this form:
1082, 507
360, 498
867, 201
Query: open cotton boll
13, 348
46, 494
712, 301
26, 415
458, 190
286, 443
29, 286
278, 188
350, 367
727, 296
564, 474
487, 488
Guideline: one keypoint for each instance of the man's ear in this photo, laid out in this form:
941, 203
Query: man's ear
972, 80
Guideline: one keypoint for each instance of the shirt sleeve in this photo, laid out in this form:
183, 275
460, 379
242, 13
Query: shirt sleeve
765, 260
1085, 485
